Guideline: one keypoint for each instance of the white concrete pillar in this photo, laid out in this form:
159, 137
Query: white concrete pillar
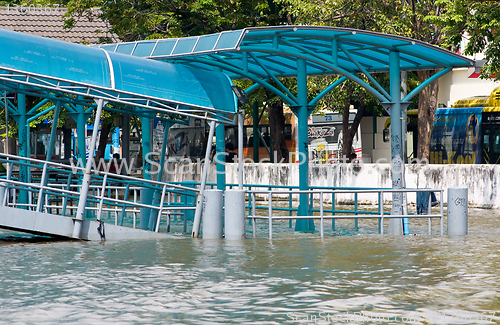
3, 189
457, 210
212, 214
234, 222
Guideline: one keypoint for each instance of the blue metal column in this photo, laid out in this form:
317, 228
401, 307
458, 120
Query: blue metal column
153, 218
23, 145
302, 115
126, 138
81, 135
146, 193
146, 147
397, 163
53, 132
256, 139
220, 149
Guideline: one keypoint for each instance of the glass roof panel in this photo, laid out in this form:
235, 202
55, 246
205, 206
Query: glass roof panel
164, 47
144, 49
206, 43
125, 48
185, 45
228, 40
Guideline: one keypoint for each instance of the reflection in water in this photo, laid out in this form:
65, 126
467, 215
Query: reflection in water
363, 278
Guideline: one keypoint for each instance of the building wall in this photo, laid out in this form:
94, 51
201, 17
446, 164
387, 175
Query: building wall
481, 180
456, 85
381, 149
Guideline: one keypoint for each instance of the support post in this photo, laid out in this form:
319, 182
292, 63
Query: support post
146, 147
240, 149
126, 138
220, 158
81, 135
212, 215
397, 162
157, 193
206, 167
82, 201
3, 192
53, 131
457, 211
302, 113
255, 136
234, 221
23, 145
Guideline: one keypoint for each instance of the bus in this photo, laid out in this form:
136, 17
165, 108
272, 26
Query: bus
468, 132
324, 138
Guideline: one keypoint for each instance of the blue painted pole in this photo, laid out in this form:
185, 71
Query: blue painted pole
23, 145
53, 132
302, 115
81, 135
52, 141
356, 210
333, 211
220, 149
146, 147
397, 163
256, 139
157, 193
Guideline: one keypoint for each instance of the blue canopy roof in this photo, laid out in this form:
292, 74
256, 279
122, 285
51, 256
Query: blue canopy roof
261, 50
46, 66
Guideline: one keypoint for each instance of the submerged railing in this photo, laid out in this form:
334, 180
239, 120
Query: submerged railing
42, 186
318, 210
380, 214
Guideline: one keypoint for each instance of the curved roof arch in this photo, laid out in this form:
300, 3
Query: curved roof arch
273, 52
264, 53
49, 67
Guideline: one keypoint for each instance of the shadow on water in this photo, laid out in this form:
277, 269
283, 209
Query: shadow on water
12, 237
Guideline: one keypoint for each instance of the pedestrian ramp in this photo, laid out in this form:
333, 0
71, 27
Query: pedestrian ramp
46, 198
39, 223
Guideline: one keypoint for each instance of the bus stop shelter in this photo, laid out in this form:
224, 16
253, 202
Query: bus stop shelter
266, 54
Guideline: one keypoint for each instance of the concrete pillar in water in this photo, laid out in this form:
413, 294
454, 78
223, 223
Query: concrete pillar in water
212, 214
145, 213
457, 210
3, 189
234, 221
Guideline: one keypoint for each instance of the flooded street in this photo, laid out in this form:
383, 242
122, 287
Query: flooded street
354, 276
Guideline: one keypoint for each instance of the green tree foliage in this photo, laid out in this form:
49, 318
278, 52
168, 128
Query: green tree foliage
152, 19
345, 13
479, 23
409, 18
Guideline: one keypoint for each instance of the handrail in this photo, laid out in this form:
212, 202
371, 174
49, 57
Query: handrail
101, 197
381, 213
72, 168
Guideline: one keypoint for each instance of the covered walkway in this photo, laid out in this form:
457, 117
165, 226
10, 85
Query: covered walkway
264, 55
84, 80
191, 78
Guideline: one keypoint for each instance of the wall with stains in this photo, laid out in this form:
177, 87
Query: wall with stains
481, 180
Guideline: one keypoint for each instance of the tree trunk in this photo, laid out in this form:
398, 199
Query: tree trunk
277, 129
427, 105
103, 140
349, 131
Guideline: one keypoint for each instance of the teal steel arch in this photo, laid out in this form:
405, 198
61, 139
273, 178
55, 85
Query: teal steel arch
264, 54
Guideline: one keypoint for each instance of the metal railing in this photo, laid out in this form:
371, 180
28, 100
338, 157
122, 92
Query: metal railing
45, 193
380, 214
